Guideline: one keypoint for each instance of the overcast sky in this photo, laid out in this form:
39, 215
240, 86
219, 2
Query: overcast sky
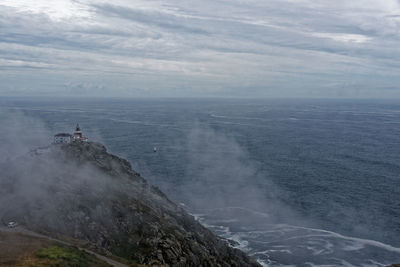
231, 48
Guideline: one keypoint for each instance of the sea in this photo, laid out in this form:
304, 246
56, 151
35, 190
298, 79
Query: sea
292, 182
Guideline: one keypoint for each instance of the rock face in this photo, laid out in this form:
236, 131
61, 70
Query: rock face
80, 191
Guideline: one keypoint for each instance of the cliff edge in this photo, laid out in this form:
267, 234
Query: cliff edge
79, 191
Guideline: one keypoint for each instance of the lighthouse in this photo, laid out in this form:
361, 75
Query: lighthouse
66, 138
78, 136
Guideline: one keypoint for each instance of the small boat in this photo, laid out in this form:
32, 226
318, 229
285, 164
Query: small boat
154, 149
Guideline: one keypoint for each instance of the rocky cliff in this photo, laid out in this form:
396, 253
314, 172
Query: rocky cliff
80, 191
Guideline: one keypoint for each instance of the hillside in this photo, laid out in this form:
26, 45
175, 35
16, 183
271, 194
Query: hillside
20, 249
80, 192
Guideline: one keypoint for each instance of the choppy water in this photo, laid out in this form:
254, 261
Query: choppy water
294, 182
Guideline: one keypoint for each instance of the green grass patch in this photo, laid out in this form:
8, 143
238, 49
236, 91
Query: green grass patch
68, 257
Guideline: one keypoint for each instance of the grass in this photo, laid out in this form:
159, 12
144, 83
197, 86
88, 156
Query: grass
22, 250
62, 256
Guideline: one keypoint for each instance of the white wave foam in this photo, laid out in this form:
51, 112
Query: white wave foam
356, 243
258, 213
360, 241
283, 239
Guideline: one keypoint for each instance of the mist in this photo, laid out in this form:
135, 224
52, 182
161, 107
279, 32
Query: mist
21, 133
44, 187
220, 174
219, 177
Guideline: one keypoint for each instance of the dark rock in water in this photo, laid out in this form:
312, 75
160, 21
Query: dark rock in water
80, 191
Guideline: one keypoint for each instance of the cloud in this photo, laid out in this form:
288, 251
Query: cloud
208, 47
56, 10
347, 38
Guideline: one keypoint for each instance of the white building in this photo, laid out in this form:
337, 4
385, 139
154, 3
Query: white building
62, 138
66, 138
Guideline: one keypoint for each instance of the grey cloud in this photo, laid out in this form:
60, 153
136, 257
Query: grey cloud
215, 44
152, 18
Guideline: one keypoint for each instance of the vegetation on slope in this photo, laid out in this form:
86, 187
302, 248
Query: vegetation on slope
22, 250
66, 257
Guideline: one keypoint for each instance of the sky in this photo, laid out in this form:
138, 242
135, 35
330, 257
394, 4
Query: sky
207, 48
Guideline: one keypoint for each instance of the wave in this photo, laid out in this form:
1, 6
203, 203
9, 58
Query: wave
360, 240
234, 208
291, 245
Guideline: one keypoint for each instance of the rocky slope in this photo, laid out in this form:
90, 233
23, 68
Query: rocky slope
82, 192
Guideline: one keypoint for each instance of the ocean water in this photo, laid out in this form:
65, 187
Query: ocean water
292, 182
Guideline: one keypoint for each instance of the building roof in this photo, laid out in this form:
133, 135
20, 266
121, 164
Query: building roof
63, 135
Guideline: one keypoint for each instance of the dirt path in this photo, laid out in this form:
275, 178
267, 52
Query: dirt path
21, 230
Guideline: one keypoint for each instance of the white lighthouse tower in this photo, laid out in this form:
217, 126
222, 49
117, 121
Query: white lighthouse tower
78, 136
